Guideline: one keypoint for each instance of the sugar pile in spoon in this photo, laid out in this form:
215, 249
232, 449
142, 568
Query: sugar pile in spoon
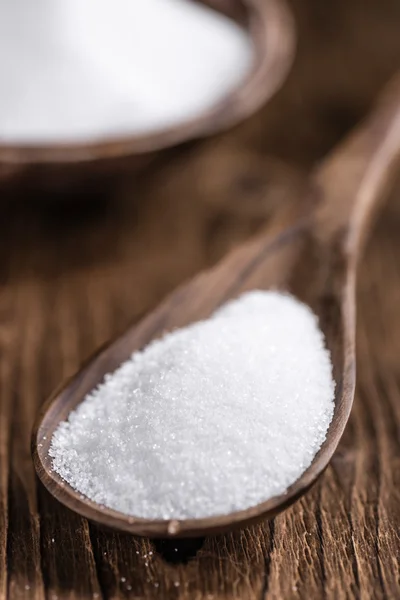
70, 70
213, 418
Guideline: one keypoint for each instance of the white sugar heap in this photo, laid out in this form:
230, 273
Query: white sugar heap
213, 418
73, 69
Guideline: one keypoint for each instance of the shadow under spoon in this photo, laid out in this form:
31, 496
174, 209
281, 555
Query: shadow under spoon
315, 259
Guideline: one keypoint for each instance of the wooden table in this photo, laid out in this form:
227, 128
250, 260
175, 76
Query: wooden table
71, 276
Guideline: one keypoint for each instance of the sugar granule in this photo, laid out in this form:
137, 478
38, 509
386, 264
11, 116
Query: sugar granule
213, 418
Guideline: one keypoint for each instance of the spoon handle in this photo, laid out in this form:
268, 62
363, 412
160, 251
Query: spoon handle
352, 181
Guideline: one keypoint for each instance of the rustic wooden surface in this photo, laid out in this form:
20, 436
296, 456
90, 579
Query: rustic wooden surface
71, 276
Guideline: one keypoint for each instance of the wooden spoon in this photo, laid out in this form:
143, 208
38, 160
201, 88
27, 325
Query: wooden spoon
315, 259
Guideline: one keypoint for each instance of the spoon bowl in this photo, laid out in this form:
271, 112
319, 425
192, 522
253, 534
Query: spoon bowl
270, 28
312, 252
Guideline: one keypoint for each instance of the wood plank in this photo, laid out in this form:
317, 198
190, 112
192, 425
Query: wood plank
23, 552
8, 355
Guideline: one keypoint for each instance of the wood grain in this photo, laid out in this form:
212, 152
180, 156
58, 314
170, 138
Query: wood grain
72, 277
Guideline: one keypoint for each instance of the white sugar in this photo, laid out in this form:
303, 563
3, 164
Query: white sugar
72, 69
213, 418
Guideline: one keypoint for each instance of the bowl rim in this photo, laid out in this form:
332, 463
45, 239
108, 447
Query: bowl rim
271, 29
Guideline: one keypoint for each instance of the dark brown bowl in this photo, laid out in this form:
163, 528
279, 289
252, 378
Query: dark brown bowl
270, 27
